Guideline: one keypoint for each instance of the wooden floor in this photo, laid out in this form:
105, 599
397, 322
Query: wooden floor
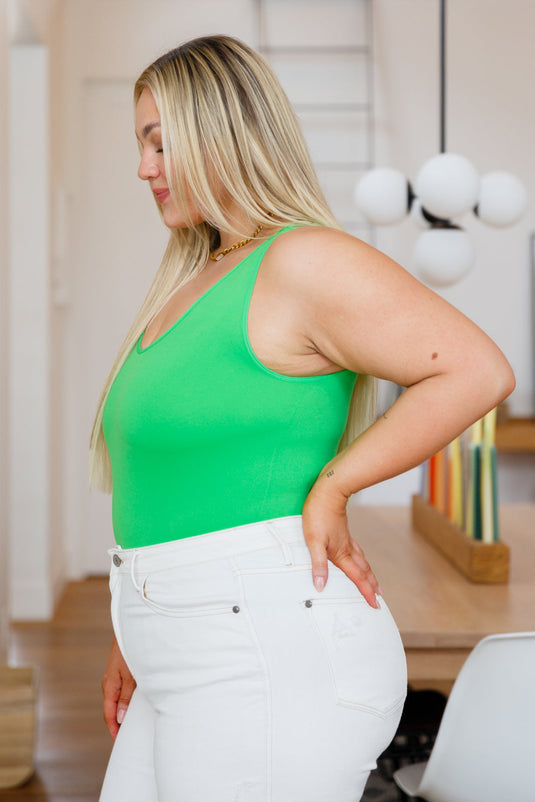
73, 743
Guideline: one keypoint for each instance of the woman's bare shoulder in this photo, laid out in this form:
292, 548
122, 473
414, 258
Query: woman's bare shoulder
309, 240
315, 257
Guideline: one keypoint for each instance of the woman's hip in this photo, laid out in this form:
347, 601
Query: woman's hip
222, 607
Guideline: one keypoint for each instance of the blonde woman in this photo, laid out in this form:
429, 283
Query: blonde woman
255, 658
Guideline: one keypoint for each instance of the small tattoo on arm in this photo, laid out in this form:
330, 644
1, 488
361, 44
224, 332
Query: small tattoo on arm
330, 473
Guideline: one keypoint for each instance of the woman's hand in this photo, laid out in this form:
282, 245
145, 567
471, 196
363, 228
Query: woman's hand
118, 686
327, 535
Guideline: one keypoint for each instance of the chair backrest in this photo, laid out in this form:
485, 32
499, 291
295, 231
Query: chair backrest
485, 747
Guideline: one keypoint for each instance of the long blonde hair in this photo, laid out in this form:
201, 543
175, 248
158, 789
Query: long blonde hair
223, 113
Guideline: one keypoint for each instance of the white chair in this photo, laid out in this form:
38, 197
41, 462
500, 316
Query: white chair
485, 746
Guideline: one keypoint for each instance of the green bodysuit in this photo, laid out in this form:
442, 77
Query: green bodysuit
202, 436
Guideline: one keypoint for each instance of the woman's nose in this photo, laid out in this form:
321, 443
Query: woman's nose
147, 168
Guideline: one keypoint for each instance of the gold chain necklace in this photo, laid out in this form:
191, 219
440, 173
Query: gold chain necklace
217, 257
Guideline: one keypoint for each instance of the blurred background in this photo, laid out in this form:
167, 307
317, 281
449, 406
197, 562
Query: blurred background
80, 237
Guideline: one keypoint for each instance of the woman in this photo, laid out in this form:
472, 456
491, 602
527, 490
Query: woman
266, 665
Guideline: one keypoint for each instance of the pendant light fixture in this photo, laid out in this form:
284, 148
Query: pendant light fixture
446, 187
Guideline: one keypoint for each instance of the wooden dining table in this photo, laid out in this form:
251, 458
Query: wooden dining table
441, 615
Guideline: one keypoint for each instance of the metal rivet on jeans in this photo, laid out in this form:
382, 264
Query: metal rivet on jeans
235, 609
117, 560
308, 603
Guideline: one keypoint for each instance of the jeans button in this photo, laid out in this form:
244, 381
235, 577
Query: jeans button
117, 560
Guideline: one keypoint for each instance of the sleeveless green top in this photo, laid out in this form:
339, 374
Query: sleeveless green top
202, 436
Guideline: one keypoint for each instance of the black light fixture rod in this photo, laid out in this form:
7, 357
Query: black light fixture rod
442, 76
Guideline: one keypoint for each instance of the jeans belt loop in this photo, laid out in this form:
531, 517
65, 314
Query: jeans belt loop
282, 543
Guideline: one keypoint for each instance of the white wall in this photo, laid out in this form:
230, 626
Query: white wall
99, 74
100, 60
99, 43
490, 120
486, 43
29, 352
3, 332
37, 564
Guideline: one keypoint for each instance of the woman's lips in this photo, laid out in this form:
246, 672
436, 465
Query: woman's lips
161, 194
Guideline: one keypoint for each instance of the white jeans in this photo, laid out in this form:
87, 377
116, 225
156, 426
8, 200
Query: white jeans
251, 686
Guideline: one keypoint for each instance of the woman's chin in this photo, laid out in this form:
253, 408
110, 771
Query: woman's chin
173, 220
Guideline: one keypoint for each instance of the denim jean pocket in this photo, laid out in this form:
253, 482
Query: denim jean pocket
192, 610
191, 591
364, 651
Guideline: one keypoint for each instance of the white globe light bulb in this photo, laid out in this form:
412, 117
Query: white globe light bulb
443, 256
502, 199
382, 195
447, 185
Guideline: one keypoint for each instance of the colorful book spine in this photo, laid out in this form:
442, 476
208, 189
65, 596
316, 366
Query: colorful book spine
455, 483
473, 501
488, 489
441, 478
461, 481
431, 479
424, 484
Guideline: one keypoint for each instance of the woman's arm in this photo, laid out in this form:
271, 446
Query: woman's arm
367, 314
